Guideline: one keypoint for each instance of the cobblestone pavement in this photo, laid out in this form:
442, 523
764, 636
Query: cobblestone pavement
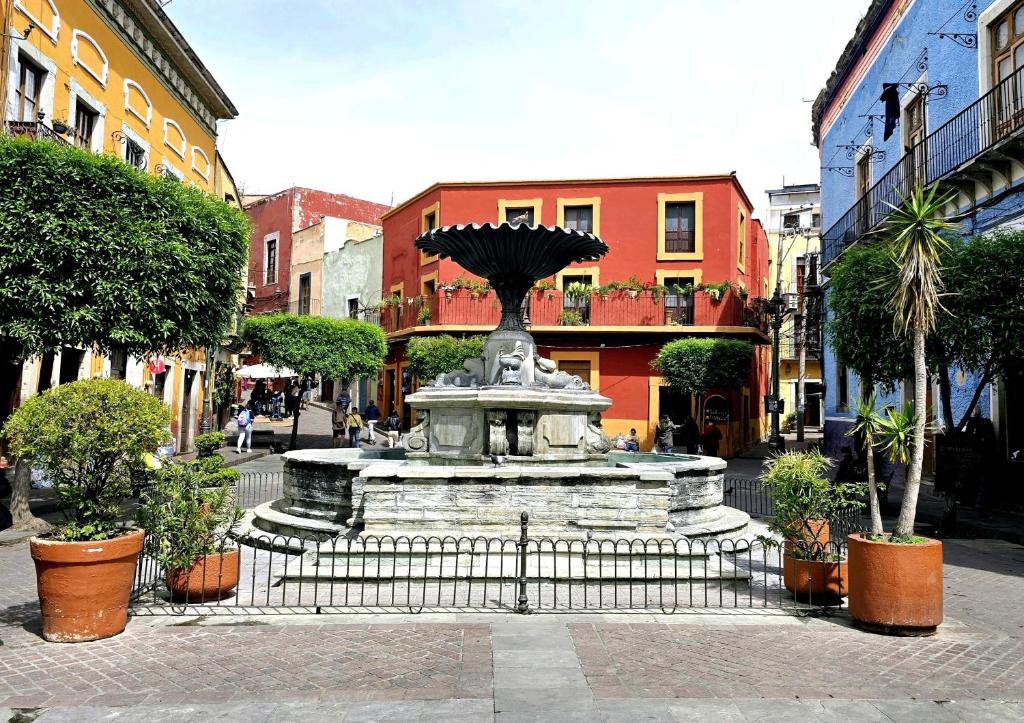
719, 665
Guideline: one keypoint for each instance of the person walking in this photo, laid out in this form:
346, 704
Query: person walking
354, 424
291, 401
664, 433
337, 424
711, 437
393, 426
691, 435
372, 415
245, 421
344, 398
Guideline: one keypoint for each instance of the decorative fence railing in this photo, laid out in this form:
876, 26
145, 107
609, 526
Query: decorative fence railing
255, 488
992, 119
749, 495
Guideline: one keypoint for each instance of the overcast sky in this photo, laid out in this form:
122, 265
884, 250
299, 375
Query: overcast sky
381, 98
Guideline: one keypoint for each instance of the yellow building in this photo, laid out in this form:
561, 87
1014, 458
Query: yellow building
116, 76
794, 228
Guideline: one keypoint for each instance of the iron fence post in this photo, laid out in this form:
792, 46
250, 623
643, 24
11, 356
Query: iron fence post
523, 603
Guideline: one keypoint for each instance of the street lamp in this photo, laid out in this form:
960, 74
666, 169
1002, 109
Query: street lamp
773, 403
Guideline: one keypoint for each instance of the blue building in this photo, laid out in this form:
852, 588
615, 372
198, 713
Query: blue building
926, 91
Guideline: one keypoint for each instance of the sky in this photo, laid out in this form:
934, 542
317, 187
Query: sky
379, 99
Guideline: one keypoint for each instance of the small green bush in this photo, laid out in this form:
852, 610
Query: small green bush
433, 355
90, 438
207, 444
697, 365
571, 317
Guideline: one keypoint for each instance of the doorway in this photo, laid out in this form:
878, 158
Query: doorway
678, 406
812, 404
185, 420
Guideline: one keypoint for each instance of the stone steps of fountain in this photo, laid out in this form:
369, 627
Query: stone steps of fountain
269, 519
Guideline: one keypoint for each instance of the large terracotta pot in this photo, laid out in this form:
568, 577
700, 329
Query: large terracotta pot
895, 588
818, 582
210, 578
84, 587
818, 533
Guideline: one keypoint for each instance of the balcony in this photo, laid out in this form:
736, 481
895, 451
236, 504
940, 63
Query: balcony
34, 130
974, 153
545, 311
305, 307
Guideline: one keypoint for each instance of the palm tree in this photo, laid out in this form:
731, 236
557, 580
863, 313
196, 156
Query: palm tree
869, 426
914, 231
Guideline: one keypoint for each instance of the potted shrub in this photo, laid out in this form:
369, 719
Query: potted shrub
897, 578
189, 525
423, 316
633, 286
208, 444
571, 317
91, 438
804, 501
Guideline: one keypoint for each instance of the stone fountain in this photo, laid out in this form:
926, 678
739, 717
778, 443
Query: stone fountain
506, 433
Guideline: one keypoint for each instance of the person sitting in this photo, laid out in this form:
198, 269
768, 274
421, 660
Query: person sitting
632, 441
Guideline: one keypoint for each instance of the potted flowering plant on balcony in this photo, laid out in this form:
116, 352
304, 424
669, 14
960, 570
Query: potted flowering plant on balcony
545, 286
632, 286
804, 501
189, 527
92, 438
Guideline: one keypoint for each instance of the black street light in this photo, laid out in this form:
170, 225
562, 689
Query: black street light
773, 403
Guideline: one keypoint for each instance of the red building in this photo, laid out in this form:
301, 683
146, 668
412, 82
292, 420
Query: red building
663, 232
275, 218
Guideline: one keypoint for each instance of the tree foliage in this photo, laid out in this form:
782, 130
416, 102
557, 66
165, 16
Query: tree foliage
697, 365
94, 251
861, 325
333, 348
433, 355
89, 438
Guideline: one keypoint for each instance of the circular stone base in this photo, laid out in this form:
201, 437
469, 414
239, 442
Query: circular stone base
269, 519
729, 523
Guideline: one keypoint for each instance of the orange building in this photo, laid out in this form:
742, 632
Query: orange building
665, 235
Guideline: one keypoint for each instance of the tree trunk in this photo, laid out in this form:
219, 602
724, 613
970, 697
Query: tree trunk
869, 450
908, 510
985, 380
22, 519
293, 444
946, 396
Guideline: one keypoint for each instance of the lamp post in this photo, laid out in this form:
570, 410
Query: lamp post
773, 403
206, 425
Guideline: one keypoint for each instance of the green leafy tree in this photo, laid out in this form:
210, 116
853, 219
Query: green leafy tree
869, 426
94, 252
330, 348
433, 355
698, 365
913, 231
91, 439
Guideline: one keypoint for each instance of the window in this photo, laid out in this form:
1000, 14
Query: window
429, 287
913, 132
678, 299
353, 308
741, 234
85, 123
26, 96
576, 298
270, 260
305, 287
134, 154
519, 214
579, 367
118, 364
791, 220
679, 227
816, 220
579, 218
430, 221
842, 389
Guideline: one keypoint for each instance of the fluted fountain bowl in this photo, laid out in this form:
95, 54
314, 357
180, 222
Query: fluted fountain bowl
511, 256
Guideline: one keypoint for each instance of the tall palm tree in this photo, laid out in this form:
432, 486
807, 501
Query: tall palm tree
914, 231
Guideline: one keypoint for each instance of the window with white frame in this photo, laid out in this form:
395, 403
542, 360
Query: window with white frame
270, 258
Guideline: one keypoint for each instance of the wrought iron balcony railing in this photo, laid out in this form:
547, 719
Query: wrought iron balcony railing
981, 127
34, 129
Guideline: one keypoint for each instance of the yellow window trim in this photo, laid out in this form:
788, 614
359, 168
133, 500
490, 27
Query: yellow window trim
535, 203
594, 272
436, 210
398, 289
741, 238
594, 357
661, 274
594, 202
698, 222
426, 278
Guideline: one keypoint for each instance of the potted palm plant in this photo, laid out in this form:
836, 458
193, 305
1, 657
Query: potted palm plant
91, 438
804, 500
897, 578
189, 527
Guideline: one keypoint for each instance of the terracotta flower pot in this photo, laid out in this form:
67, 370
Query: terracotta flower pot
818, 532
210, 578
815, 581
895, 588
84, 587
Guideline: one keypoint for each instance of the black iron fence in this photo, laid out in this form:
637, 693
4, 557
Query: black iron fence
255, 488
991, 120
749, 495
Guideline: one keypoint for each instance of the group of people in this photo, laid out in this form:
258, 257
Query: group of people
348, 422
694, 440
281, 403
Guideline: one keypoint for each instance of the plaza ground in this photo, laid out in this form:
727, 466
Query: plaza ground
698, 665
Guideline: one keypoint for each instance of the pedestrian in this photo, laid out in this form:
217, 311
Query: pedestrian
337, 424
665, 432
275, 404
393, 426
307, 393
245, 421
691, 434
372, 415
710, 439
344, 398
632, 441
354, 423
292, 400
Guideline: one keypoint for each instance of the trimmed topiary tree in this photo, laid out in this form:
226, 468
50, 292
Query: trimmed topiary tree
433, 355
697, 365
331, 348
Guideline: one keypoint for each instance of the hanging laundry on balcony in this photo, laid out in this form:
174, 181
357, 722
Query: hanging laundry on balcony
891, 97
